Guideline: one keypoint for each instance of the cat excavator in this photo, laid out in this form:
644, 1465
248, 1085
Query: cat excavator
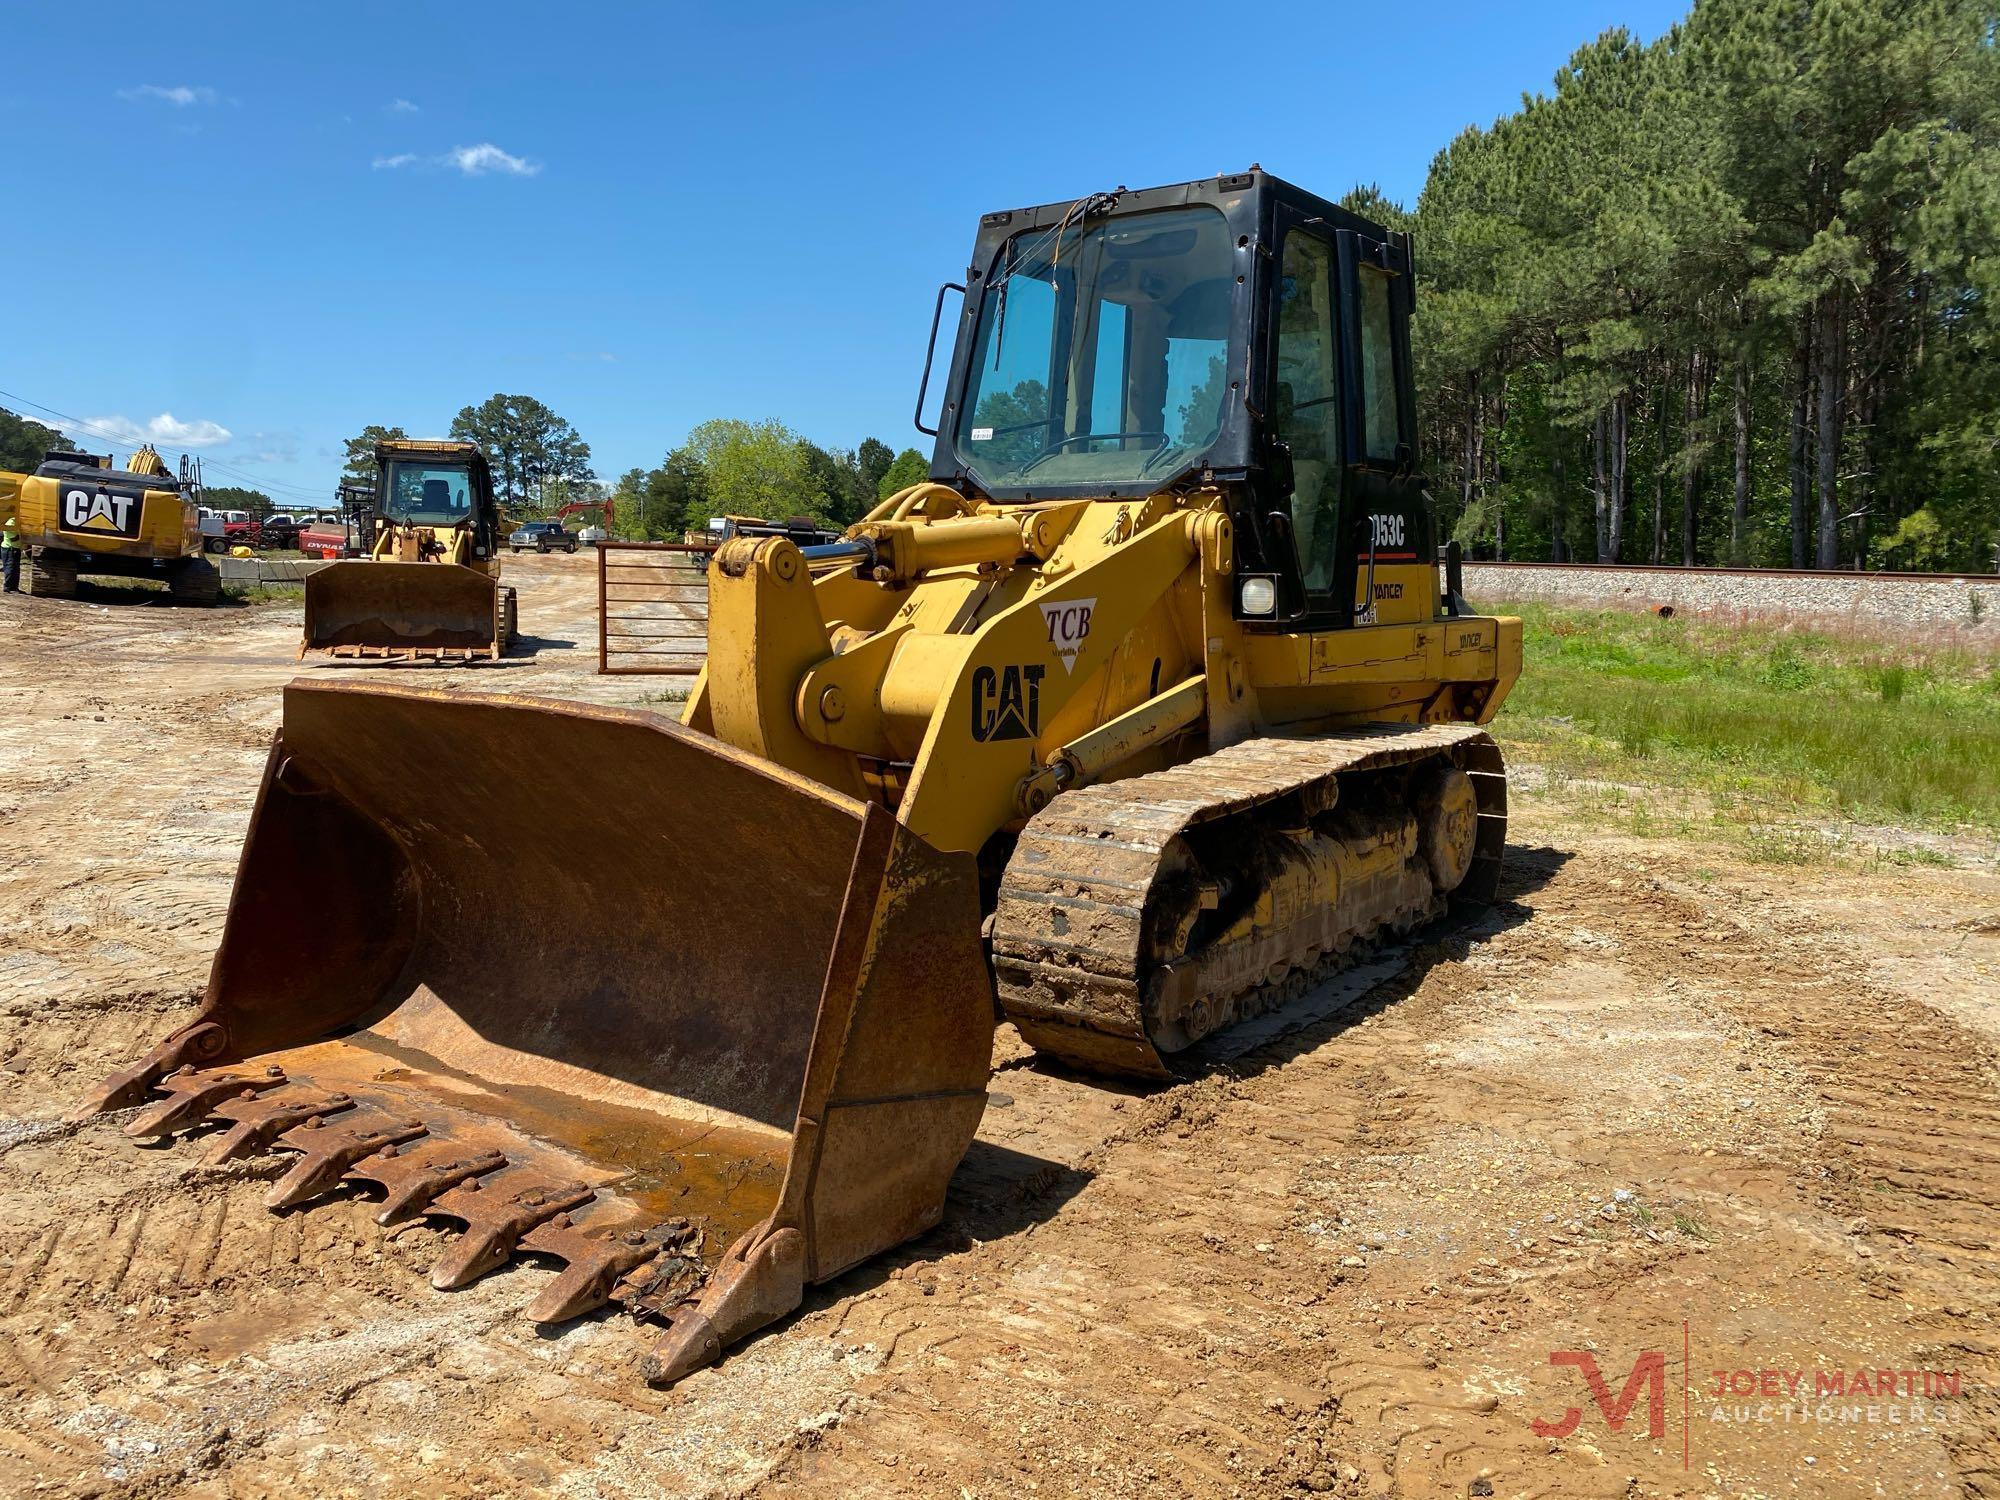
430, 585
80, 516
1150, 709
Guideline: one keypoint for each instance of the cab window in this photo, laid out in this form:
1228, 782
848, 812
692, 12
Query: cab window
1381, 417
429, 494
1101, 353
1306, 409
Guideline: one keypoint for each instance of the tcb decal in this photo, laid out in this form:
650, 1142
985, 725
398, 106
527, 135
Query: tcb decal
1069, 626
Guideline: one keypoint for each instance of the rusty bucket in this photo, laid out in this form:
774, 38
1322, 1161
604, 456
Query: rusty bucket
366, 608
595, 986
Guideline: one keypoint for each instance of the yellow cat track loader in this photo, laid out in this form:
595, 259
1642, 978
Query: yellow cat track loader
430, 585
1153, 707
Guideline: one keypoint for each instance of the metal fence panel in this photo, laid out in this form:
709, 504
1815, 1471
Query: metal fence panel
652, 608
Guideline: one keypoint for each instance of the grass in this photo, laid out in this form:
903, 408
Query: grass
1690, 1227
1909, 858
1800, 723
265, 593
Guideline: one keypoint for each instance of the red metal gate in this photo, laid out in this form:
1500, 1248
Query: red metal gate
652, 608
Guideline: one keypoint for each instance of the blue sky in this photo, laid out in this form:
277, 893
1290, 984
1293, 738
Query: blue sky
284, 222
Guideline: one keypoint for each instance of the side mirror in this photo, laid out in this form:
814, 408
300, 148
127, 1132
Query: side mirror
930, 354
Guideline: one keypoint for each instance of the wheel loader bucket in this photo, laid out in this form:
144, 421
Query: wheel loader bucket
363, 608
596, 986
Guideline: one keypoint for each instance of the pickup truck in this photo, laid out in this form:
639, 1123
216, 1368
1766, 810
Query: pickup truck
211, 524
238, 530
542, 536
803, 530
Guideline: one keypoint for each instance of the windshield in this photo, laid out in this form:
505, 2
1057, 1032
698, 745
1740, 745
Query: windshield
428, 493
1101, 354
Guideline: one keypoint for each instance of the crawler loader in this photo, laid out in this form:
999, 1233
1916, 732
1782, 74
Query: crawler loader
430, 585
80, 516
1150, 709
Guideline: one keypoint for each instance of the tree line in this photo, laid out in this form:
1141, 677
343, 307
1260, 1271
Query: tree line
728, 466
528, 447
1727, 297
24, 442
1730, 296
725, 466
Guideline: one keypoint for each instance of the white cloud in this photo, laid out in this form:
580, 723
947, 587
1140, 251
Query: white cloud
400, 107
476, 161
165, 430
269, 448
473, 161
181, 95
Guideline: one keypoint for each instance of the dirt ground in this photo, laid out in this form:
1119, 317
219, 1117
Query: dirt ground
1683, 1112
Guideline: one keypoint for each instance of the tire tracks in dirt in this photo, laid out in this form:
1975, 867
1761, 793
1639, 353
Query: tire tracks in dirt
1149, 1281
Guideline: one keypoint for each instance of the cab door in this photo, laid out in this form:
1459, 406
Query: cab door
1343, 405
1310, 378
1387, 524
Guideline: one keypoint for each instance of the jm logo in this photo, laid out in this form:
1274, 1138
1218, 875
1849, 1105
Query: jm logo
1649, 1374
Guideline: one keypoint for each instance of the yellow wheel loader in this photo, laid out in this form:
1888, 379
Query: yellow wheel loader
430, 585
79, 516
1151, 709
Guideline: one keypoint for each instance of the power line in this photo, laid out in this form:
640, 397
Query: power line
113, 437
275, 484
120, 438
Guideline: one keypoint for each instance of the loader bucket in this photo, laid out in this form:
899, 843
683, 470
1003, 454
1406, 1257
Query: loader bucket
675, 1017
365, 608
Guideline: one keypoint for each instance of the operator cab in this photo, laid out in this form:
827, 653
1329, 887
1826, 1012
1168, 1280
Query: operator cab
1237, 332
440, 486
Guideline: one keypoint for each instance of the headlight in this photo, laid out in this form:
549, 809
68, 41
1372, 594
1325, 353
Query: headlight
1259, 596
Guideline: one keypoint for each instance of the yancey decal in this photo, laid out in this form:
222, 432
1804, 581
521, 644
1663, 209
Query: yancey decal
1069, 623
100, 513
1007, 704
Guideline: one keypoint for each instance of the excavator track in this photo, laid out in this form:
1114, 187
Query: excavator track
1138, 917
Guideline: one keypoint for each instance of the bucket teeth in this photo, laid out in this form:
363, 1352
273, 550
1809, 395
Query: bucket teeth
186, 1047
328, 1152
412, 1182
259, 1122
650, 1270
495, 1221
596, 1263
192, 1094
